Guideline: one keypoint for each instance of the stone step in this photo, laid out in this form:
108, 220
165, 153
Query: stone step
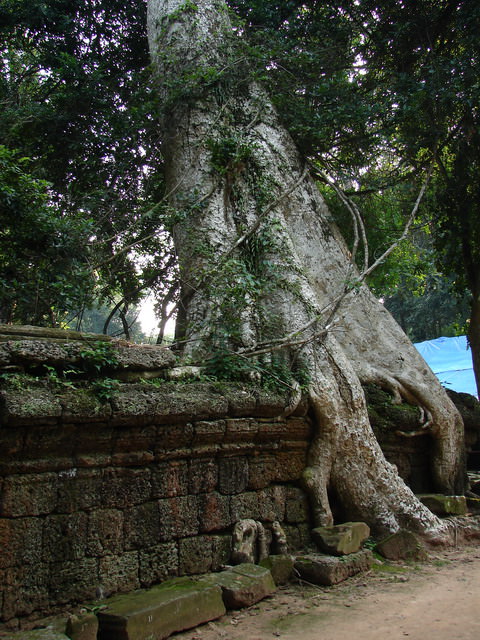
172, 606
329, 570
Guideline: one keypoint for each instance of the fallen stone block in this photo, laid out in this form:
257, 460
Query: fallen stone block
82, 627
329, 570
243, 585
442, 505
341, 539
280, 566
175, 605
402, 545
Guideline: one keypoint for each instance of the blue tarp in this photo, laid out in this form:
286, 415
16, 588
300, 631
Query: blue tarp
450, 359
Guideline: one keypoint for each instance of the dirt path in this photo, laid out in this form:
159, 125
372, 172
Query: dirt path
435, 601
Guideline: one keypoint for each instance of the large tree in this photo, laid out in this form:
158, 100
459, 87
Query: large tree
266, 275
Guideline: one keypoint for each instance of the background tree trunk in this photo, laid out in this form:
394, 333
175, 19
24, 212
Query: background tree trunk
260, 259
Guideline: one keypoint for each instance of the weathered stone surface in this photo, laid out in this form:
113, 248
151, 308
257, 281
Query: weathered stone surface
29, 495
402, 545
105, 532
37, 352
214, 512
119, 573
37, 405
178, 517
329, 570
243, 585
82, 627
270, 404
65, 537
246, 505
158, 563
280, 566
74, 581
444, 505
144, 357
272, 503
341, 539
233, 475
297, 508
81, 405
20, 541
96, 502
170, 479
34, 346
195, 555
173, 606
8, 331
167, 404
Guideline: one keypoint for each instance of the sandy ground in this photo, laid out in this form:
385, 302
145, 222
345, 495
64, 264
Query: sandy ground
438, 600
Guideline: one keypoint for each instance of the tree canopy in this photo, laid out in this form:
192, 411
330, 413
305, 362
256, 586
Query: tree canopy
78, 112
375, 94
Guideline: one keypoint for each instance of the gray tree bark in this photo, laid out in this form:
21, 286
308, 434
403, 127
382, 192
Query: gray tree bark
261, 262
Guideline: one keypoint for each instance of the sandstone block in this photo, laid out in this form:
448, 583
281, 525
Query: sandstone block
233, 475
195, 555
341, 539
82, 627
280, 566
38, 406
444, 505
402, 545
243, 585
329, 570
173, 606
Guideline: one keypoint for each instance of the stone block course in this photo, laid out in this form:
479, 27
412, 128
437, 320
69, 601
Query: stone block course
29, 495
105, 535
142, 526
158, 563
20, 541
118, 573
214, 512
169, 479
64, 537
73, 581
95, 505
202, 476
232, 475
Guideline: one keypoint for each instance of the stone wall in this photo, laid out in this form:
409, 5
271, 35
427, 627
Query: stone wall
113, 478
99, 497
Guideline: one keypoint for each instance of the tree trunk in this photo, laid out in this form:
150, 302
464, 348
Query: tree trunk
261, 260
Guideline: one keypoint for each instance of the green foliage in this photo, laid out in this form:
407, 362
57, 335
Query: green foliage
43, 264
227, 365
229, 154
431, 309
60, 379
105, 388
77, 101
99, 356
